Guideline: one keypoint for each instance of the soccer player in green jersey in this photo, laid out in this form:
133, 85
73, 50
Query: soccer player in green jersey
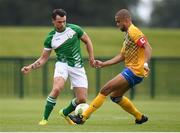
64, 39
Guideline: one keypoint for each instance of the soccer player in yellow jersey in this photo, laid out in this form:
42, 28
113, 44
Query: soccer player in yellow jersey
136, 53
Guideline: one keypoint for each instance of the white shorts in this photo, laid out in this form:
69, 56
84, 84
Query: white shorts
76, 75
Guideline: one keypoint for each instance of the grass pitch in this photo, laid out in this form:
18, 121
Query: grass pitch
107, 41
23, 115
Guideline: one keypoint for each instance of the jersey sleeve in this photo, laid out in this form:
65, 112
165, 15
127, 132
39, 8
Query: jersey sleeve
47, 42
78, 30
137, 36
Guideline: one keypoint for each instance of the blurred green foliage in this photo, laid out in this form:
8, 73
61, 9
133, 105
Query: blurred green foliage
84, 12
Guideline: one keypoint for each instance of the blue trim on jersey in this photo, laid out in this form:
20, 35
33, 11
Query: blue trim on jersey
131, 77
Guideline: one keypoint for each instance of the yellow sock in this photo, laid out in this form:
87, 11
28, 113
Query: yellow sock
95, 104
129, 107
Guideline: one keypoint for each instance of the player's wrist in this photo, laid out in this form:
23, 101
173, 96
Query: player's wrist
146, 65
91, 58
105, 64
31, 67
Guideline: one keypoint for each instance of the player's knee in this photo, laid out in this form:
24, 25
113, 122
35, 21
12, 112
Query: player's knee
115, 99
105, 91
56, 91
81, 100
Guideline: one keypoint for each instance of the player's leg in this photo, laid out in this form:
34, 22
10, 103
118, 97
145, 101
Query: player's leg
112, 85
51, 99
109, 87
80, 94
60, 76
80, 97
124, 102
128, 106
79, 84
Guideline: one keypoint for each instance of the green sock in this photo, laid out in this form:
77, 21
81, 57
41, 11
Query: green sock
70, 108
49, 107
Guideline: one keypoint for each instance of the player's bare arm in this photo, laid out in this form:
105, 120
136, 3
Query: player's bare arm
148, 51
118, 58
85, 38
143, 42
38, 63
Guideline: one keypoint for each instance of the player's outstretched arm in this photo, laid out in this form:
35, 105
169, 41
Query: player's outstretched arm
89, 46
148, 51
38, 63
118, 58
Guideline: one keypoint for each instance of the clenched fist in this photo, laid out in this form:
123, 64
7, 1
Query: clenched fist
26, 69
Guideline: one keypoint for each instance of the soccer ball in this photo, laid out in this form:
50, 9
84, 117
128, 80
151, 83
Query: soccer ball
81, 108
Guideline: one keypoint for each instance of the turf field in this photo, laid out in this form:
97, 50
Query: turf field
23, 115
28, 41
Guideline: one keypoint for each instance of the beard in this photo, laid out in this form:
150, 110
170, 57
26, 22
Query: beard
60, 28
123, 29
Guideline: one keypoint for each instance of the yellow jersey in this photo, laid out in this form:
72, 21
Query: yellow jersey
133, 51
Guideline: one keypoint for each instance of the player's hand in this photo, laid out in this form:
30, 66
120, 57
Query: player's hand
98, 64
26, 69
92, 62
146, 68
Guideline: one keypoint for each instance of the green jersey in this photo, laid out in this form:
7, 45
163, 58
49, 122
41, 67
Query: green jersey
66, 45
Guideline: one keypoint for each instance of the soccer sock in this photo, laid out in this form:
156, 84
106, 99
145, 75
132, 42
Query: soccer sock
95, 104
129, 107
49, 107
70, 108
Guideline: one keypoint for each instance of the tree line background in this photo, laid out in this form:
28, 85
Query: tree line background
165, 13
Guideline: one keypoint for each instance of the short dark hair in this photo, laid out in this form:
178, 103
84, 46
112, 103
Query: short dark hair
123, 13
59, 12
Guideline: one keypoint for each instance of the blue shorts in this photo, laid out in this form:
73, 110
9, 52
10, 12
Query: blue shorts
130, 77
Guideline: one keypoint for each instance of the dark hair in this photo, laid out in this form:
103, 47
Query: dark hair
59, 12
123, 13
